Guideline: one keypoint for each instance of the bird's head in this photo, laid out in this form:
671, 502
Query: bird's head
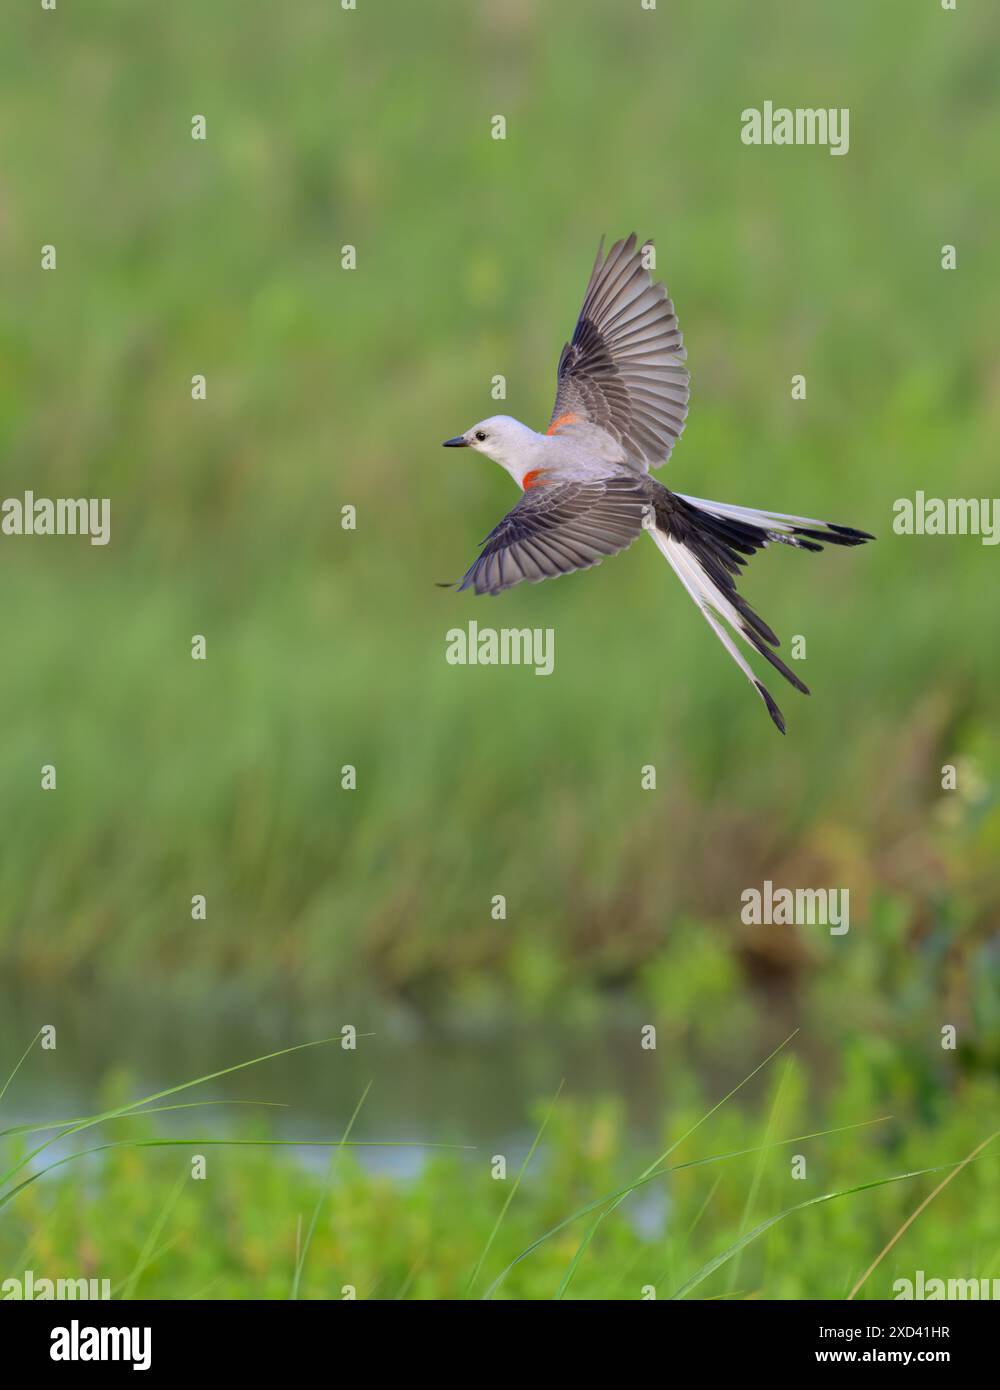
501, 438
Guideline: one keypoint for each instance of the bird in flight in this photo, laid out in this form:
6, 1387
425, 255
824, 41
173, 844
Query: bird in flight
621, 402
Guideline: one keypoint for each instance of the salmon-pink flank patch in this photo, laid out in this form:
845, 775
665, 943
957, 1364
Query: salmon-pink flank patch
568, 419
531, 478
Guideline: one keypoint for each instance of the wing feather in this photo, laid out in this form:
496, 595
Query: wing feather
622, 370
559, 527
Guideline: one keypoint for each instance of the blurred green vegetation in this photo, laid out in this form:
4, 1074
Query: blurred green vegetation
326, 646
242, 1231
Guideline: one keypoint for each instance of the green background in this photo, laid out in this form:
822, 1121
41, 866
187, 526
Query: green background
329, 388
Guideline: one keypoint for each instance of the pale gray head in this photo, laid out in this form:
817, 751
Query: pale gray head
501, 438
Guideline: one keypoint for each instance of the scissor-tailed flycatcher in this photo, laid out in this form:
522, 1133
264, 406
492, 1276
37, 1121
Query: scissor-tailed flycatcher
620, 407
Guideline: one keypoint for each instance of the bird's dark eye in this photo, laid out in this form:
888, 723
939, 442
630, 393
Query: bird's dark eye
480, 435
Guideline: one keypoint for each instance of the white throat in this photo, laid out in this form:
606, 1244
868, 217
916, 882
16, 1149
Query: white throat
520, 451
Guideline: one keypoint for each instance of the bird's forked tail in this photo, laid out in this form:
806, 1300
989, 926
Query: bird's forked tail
708, 543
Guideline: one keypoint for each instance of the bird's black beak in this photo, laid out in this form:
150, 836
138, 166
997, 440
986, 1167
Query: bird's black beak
459, 442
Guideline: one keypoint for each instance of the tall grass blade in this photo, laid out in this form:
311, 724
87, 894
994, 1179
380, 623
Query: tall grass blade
759, 1230
758, 1172
304, 1251
134, 1107
513, 1191
648, 1172
599, 1202
146, 1253
925, 1203
20, 1064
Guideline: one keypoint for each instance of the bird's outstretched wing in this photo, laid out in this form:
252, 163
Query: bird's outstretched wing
559, 527
622, 370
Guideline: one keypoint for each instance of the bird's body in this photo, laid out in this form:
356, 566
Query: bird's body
586, 491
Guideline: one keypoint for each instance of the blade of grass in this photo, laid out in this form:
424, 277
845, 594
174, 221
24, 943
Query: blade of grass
668, 1274
744, 1241
414, 1270
32, 1128
592, 1231
160, 1250
145, 1254
758, 1171
202, 1294
511, 1194
20, 1064
201, 1143
703, 1208
301, 1257
599, 1202
910, 1219
134, 1106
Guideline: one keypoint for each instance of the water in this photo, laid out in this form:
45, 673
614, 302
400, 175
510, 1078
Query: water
468, 1084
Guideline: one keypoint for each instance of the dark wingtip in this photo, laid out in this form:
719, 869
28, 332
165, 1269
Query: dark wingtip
772, 708
852, 536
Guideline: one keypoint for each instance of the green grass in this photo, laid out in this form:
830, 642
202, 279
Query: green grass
142, 1220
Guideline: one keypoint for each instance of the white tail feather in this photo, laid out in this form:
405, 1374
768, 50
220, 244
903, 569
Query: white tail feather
770, 521
713, 603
